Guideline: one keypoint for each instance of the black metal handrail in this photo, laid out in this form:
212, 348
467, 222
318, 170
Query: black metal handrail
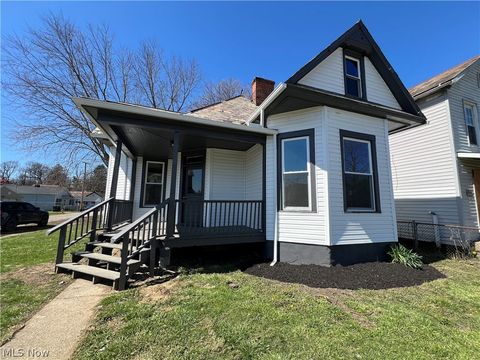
139, 235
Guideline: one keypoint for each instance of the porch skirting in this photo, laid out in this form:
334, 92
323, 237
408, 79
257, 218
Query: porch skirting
308, 254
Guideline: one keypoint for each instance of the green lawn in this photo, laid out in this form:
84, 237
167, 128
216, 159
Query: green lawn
27, 280
200, 316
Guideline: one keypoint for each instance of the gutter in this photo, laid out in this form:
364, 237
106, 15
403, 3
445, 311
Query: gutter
270, 98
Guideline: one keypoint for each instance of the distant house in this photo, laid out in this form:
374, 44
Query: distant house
90, 199
46, 197
436, 166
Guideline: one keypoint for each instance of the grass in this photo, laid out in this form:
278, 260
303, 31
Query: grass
201, 316
27, 280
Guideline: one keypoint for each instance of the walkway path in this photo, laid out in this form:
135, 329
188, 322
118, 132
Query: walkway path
54, 332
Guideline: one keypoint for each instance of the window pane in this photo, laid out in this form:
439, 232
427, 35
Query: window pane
359, 191
356, 156
351, 67
472, 136
155, 173
353, 87
295, 190
295, 155
469, 116
194, 181
153, 194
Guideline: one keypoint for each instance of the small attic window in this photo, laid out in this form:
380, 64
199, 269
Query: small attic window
353, 80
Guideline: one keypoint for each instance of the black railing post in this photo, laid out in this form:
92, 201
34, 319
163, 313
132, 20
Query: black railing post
114, 183
173, 184
94, 225
61, 245
153, 244
122, 281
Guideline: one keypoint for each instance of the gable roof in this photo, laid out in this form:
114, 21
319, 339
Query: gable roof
78, 194
37, 190
235, 110
359, 39
442, 80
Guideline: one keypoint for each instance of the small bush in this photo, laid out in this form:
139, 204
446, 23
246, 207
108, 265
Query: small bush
400, 254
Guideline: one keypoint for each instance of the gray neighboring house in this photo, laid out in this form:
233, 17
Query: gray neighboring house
91, 198
46, 197
436, 166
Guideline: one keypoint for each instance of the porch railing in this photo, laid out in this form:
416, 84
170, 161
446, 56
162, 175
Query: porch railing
212, 217
138, 236
102, 216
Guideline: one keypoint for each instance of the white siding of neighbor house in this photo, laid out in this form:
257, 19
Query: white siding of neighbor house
466, 89
357, 228
327, 75
298, 227
377, 90
423, 167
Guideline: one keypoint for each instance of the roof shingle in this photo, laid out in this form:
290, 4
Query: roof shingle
234, 110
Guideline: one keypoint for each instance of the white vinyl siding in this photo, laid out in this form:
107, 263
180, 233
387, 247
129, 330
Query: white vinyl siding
466, 89
124, 175
294, 226
357, 228
254, 173
424, 167
377, 90
328, 75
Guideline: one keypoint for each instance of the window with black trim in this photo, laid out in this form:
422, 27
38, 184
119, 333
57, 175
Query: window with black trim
296, 171
360, 185
353, 79
153, 183
470, 114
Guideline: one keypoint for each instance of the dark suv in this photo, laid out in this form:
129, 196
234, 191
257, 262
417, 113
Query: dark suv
17, 213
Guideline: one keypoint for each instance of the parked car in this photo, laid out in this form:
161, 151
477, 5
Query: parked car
17, 213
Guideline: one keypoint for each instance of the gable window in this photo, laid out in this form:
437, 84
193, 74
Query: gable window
296, 170
470, 114
353, 81
360, 184
153, 183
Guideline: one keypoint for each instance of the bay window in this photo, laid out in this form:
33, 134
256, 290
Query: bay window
359, 170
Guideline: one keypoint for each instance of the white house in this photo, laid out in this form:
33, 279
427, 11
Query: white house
436, 166
302, 169
46, 197
90, 198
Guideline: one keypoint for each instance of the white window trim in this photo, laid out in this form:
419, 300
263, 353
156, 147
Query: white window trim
371, 174
297, 208
145, 182
359, 77
473, 106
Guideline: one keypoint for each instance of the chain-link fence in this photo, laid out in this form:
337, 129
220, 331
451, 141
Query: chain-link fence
461, 237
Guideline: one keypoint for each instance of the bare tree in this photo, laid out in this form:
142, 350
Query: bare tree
35, 172
7, 169
220, 91
58, 61
57, 175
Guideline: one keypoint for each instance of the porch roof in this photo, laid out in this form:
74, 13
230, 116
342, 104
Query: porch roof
149, 132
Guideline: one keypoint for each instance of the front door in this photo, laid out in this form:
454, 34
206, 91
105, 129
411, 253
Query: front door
193, 190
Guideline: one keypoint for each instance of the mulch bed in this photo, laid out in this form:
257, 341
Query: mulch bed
374, 275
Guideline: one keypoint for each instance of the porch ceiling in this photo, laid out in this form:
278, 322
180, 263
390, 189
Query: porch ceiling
149, 132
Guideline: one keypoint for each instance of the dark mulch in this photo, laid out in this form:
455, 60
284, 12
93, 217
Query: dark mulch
374, 275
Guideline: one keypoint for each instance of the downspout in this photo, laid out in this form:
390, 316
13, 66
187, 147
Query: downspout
275, 197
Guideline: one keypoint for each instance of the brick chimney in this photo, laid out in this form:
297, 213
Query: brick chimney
261, 88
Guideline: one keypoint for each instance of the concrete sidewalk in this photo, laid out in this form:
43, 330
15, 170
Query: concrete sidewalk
54, 332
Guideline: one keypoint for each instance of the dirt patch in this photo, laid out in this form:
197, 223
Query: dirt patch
157, 292
374, 275
35, 275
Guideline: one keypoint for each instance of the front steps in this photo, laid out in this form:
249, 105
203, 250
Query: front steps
101, 262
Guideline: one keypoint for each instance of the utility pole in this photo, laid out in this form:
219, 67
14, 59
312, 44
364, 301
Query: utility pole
82, 207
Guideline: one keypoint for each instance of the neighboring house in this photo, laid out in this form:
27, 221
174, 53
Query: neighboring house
46, 197
436, 166
302, 169
8, 193
91, 198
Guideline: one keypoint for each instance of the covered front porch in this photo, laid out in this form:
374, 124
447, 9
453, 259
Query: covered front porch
204, 178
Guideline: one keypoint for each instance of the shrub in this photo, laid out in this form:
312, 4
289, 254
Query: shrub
400, 254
